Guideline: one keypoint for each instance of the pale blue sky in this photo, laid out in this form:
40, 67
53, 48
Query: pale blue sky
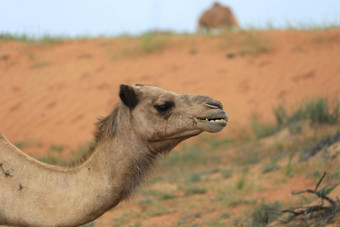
105, 17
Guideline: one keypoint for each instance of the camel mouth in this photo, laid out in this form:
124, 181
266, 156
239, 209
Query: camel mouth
213, 123
216, 120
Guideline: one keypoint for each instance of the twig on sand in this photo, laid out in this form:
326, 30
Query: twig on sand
309, 211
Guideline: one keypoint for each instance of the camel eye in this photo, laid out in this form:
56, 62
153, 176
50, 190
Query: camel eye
164, 107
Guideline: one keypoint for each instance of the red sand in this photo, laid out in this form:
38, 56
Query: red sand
53, 93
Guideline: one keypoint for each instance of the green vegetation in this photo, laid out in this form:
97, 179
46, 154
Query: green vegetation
265, 214
47, 39
241, 183
57, 148
147, 43
5, 57
91, 224
253, 44
270, 168
194, 190
193, 51
152, 43
21, 144
262, 129
317, 111
244, 43
40, 64
310, 26
227, 173
51, 158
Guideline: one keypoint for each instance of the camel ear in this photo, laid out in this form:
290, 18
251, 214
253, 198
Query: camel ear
128, 96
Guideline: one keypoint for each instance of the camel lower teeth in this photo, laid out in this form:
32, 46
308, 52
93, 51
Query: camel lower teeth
212, 120
217, 120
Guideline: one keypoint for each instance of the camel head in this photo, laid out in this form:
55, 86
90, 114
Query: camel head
164, 118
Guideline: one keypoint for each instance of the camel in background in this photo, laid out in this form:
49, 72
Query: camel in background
217, 17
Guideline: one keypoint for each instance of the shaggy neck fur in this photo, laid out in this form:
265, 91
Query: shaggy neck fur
117, 163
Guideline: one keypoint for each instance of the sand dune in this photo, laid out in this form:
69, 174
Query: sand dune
53, 93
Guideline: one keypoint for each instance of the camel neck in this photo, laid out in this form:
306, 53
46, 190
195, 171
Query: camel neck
119, 167
82, 193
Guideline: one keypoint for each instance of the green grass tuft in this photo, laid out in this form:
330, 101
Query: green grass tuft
265, 214
261, 129
40, 64
227, 173
21, 144
47, 39
194, 190
317, 111
57, 148
153, 43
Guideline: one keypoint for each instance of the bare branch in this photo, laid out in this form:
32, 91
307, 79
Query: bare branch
310, 210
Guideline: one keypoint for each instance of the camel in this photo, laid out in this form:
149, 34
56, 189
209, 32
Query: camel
217, 17
147, 121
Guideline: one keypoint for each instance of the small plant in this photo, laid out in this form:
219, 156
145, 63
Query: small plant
230, 55
227, 173
21, 144
218, 142
91, 224
265, 214
194, 190
225, 215
280, 115
193, 51
195, 177
167, 196
50, 158
146, 201
138, 224
40, 64
319, 111
151, 43
270, 168
261, 129
47, 39
241, 184
5, 57
289, 169
57, 148
253, 44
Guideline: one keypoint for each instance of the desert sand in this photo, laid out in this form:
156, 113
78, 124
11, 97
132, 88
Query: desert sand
53, 92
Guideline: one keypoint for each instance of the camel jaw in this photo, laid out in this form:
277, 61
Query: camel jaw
212, 123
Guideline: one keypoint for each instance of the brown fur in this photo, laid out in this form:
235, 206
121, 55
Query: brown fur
147, 122
217, 17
